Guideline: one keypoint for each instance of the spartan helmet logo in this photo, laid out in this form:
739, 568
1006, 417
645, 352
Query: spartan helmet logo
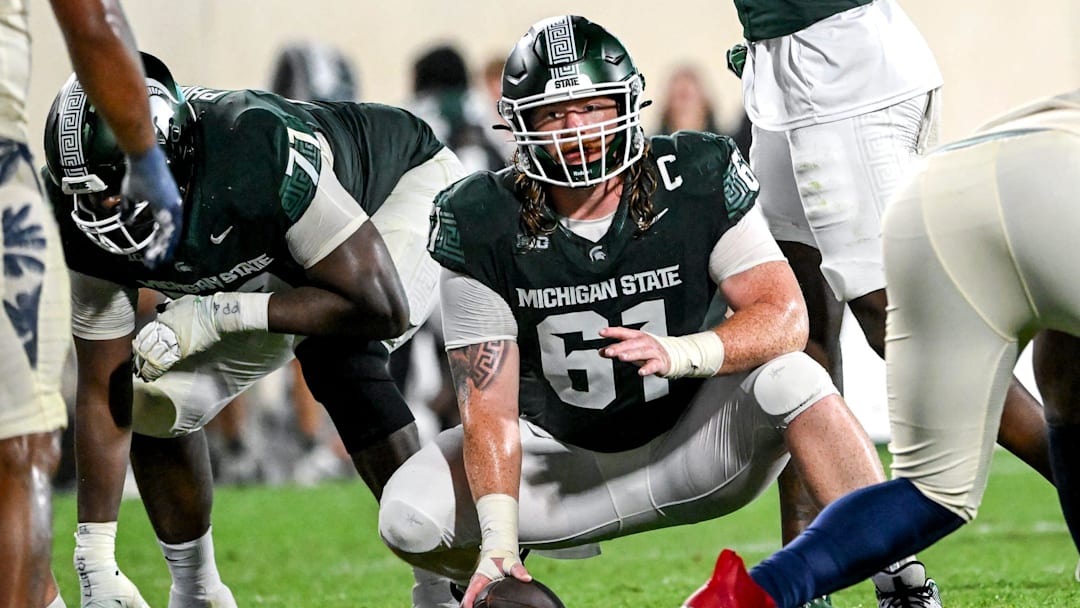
597, 253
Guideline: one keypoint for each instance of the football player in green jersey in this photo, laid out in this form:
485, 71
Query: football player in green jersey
34, 335
600, 393
304, 235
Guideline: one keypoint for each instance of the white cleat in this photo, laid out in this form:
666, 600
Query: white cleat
906, 587
109, 590
221, 597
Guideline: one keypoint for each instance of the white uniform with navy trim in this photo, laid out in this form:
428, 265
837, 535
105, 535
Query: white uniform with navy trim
35, 324
980, 250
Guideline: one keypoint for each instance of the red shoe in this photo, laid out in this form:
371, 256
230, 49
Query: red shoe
730, 587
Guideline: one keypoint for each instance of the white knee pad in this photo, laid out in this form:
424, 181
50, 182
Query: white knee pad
788, 385
406, 529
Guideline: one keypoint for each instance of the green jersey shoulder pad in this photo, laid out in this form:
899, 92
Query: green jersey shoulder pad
258, 142
471, 218
692, 165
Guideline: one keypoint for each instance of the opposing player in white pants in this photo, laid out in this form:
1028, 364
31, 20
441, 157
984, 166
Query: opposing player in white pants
980, 250
35, 327
844, 96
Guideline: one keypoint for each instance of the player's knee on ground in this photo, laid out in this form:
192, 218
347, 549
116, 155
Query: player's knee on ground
788, 385
408, 529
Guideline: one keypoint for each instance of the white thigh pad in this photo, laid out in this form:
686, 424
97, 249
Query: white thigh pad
194, 390
788, 385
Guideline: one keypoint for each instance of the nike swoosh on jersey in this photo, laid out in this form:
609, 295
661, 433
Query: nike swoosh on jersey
216, 239
656, 218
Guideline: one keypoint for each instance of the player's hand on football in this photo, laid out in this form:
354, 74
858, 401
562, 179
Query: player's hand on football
637, 347
148, 179
494, 566
184, 326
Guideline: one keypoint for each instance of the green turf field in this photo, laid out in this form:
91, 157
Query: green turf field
297, 548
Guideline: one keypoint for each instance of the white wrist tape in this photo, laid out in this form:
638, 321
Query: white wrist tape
498, 515
698, 355
237, 311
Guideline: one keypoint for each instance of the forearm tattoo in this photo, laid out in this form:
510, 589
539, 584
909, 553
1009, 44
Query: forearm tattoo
479, 363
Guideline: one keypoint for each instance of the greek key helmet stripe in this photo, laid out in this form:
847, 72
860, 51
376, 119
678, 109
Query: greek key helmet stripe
69, 141
561, 48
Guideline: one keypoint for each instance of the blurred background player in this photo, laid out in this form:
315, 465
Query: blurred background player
34, 338
978, 249
443, 95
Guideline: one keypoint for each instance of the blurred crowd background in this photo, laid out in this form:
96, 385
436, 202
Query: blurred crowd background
443, 61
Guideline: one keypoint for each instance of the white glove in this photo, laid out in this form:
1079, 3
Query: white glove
192, 324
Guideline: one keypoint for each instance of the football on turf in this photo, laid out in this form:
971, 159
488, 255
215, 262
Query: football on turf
509, 592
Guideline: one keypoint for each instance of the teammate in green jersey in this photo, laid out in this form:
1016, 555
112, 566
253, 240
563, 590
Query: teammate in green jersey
305, 232
600, 393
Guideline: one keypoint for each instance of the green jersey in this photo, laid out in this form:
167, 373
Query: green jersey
562, 288
256, 169
763, 19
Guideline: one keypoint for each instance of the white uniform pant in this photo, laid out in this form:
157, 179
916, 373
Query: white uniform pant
722, 453
980, 253
193, 391
826, 186
35, 323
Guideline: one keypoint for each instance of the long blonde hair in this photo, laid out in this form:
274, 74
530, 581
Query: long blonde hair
641, 177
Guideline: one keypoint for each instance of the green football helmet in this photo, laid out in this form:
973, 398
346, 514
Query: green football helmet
569, 57
85, 161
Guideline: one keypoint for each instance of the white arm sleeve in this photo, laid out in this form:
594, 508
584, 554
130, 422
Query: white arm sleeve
472, 313
100, 309
745, 245
332, 216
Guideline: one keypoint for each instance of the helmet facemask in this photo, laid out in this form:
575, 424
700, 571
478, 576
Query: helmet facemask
569, 58
125, 228
620, 140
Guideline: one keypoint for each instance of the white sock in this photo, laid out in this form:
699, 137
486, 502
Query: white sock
431, 590
95, 555
192, 566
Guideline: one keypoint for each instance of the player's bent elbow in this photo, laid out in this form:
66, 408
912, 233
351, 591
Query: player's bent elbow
797, 325
391, 321
379, 312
